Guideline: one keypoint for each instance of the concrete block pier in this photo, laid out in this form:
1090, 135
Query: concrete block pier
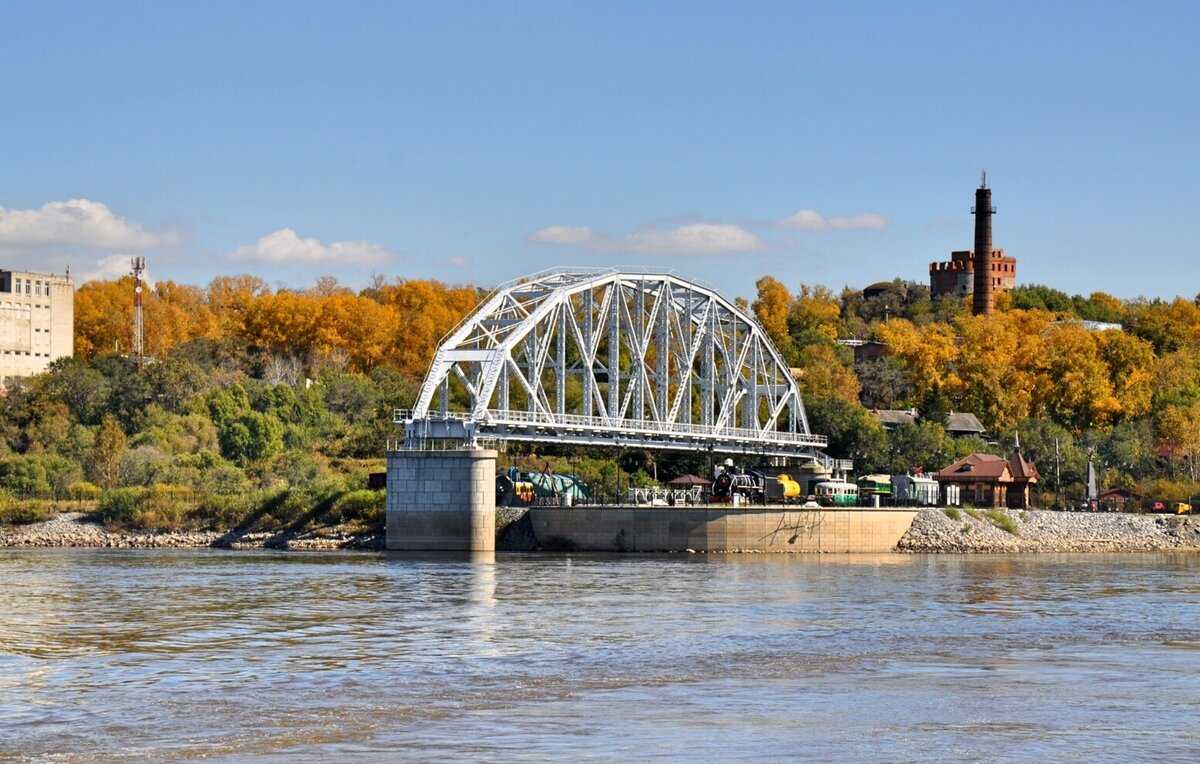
441, 501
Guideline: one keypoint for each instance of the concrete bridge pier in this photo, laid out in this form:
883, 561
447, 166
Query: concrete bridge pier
441, 501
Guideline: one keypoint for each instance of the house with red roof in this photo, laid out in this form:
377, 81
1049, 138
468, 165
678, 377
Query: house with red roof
987, 480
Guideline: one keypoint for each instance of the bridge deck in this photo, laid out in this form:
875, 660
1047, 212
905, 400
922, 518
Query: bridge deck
600, 431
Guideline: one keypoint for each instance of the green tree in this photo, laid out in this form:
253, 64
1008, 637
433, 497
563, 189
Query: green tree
107, 453
919, 445
251, 437
885, 384
853, 433
24, 476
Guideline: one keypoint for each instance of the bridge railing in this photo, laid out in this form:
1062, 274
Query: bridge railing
609, 424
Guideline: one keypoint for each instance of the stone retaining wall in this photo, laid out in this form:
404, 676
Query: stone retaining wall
654, 529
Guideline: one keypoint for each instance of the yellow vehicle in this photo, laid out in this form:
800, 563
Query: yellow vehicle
788, 488
1182, 508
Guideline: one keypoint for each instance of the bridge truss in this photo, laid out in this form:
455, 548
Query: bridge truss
605, 357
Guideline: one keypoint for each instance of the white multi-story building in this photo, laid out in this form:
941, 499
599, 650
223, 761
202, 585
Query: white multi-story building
37, 322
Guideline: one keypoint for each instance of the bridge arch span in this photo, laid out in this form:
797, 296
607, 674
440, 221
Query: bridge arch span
611, 357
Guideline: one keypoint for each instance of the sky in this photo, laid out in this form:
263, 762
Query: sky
833, 143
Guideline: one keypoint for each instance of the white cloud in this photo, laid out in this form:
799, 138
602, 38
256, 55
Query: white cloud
805, 220
77, 222
112, 268
688, 239
284, 246
811, 220
868, 220
563, 234
696, 239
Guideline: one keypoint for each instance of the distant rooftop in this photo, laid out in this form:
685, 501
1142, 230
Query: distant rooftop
957, 423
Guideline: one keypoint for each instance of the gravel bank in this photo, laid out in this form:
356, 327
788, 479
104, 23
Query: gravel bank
932, 531
1037, 531
71, 530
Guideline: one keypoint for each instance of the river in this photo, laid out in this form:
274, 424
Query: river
181, 655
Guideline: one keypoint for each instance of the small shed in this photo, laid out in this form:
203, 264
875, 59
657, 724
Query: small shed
1116, 498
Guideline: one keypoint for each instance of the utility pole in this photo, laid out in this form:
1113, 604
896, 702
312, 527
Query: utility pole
139, 350
1057, 479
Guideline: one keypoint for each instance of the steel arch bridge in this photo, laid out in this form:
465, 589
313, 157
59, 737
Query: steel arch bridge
607, 357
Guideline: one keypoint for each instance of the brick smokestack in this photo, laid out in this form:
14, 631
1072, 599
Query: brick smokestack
983, 299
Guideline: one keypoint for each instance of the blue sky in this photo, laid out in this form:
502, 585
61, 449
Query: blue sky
831, 143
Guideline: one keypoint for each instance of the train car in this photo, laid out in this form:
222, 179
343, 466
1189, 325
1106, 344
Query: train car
739, 487
522, 489
755, 487
782, 489
836, 493
915, 490
512, 491
875, 489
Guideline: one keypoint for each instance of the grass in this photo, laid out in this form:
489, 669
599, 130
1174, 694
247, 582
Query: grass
26, 512
975, 513
952, 513
1002, 520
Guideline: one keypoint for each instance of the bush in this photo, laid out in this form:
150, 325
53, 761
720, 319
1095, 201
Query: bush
366, 507
283, 508
24, 476
14, 512
952, 513
218, 511
164, 507
160, 508
118, 507
24, 512
82, 490
1002, 520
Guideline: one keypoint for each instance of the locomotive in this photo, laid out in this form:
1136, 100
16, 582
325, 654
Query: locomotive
752, 486
522, 489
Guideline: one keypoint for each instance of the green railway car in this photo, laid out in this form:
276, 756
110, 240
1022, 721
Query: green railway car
836, 493
875, 485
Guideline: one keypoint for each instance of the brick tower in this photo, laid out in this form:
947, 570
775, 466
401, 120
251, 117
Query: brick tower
983, 298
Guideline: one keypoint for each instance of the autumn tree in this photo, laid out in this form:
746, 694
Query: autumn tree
107, 453
771, 307
814, 317
1179, 434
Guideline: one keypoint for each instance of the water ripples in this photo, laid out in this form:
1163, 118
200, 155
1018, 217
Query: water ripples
175, 655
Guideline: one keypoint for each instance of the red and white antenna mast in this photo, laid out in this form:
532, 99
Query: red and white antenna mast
139, 352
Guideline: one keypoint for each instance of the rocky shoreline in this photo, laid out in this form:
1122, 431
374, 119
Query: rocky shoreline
934, 531
70, 529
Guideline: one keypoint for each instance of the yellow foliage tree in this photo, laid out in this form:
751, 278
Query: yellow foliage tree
1131, 363
928, 353
814, 316
822, 374
771, 307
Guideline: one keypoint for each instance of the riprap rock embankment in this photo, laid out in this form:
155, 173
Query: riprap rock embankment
71, 530
1042, 531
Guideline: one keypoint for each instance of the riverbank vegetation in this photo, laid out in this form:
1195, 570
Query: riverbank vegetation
270, 407
1129, 398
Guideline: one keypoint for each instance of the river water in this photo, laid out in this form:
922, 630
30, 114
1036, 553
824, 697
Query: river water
179, 655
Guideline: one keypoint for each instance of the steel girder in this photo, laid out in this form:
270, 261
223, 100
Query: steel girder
608, 357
